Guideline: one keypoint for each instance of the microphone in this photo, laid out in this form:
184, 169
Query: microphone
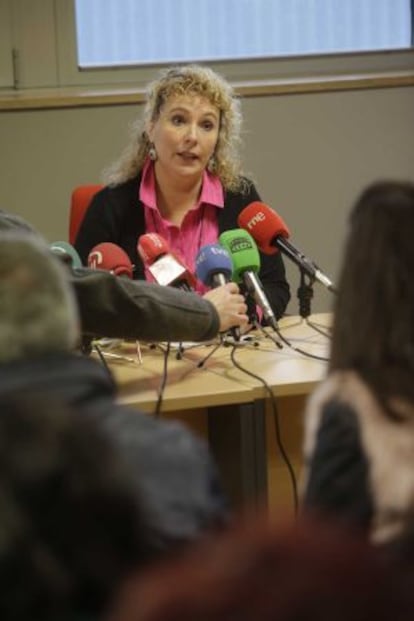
164, 266
151, 246
271, 234
246, 263
110, 257
66, 253
214, 268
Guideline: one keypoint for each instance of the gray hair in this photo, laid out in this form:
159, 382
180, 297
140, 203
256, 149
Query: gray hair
38, 312
12, 222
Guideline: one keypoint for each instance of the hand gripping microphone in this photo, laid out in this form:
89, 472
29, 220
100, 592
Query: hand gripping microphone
164, 266
271, 234
214, 266
246, 263
110, 257
66, 253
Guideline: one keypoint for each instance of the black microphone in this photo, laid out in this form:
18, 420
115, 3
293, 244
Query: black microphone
271, 234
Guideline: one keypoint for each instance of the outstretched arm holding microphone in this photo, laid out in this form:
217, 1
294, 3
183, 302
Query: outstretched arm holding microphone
119, 307
167, 269
122, 308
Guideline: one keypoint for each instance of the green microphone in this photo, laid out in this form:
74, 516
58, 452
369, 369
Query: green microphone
243, 251
246, 263
66, 253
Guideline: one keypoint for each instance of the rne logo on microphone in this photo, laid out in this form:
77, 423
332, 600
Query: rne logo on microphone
239, 244
258, 217
95, 259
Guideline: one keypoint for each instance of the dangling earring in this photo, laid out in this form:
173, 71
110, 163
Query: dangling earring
212, 164
152, 153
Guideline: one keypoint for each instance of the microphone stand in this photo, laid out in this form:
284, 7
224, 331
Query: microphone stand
305, 294
180, 351
213, 351
86, 345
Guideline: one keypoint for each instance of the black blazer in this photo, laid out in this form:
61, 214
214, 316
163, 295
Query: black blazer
116, 215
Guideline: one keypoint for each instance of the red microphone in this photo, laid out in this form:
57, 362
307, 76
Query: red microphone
110, 257
151, 246
271, 234
264, 225
162, 264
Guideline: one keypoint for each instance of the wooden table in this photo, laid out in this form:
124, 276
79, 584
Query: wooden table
238, 409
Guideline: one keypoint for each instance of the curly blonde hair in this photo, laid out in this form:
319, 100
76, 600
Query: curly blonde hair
190, 79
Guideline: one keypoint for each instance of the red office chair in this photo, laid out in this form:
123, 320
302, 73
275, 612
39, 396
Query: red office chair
80, 200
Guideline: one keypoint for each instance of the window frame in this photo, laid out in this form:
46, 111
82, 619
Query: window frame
54, 63
6, 45
237, 71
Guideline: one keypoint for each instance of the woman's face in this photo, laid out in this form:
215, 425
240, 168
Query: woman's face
185, 135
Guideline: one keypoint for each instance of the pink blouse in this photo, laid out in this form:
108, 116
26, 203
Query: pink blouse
198, 228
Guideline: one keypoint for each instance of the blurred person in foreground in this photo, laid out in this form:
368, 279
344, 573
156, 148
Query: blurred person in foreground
180, 177
72, 528
359, 423
39, 329
305, 570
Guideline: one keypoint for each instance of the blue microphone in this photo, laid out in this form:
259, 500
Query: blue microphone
214, 268
213, 265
